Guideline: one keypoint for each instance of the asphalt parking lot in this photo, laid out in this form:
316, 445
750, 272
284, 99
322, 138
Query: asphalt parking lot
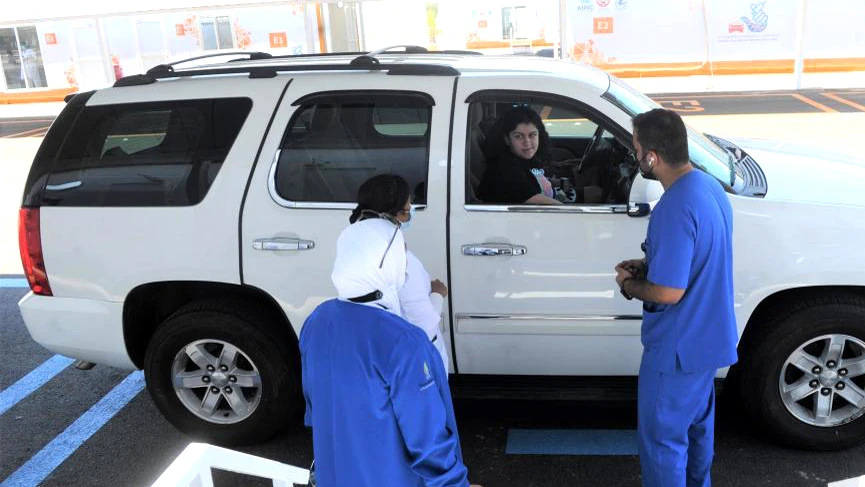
66, 427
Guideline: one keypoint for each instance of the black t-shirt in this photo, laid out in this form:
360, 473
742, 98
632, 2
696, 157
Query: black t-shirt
509, 180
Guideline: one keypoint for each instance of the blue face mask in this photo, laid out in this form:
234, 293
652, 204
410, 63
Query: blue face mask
406, 225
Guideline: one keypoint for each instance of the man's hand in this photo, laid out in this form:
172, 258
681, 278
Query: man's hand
622, 274
636, 267
439, 287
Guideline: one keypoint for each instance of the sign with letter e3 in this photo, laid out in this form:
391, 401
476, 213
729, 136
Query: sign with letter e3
603, 25
278, 39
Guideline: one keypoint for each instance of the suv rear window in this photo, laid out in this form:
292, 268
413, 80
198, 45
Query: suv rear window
336, 141
145, 154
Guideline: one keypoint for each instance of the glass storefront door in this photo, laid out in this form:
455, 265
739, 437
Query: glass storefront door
22, 58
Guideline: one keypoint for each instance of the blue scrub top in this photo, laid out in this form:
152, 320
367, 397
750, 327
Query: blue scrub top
377, 400
690, 246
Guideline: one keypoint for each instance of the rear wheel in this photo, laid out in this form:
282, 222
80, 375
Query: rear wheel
222, 375
804, 380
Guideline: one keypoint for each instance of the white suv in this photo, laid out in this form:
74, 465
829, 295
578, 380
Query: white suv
184, 222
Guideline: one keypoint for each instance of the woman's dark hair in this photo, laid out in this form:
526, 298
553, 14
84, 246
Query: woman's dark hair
664, 132
382, 194
494, 144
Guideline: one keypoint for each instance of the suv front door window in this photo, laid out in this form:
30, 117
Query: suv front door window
587, 164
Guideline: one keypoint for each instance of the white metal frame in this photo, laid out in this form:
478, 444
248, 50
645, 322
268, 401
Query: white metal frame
193, 467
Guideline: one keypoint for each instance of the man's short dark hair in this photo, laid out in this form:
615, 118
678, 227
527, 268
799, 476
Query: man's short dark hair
663, 131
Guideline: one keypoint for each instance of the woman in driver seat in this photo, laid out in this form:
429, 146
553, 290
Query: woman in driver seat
516, 150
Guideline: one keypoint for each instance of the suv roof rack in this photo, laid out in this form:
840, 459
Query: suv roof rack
362, 61
407, 49
412, 49
250, 55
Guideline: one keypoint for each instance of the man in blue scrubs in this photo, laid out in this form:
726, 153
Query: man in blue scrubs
376, 391
686, 285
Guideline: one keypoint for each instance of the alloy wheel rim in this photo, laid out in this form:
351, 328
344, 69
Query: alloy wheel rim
216, 381
822, 383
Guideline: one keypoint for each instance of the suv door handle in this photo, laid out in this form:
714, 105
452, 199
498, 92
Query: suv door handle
493, 250
281, 243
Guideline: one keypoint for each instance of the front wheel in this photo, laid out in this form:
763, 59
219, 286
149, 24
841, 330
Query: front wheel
805, 378
220, 375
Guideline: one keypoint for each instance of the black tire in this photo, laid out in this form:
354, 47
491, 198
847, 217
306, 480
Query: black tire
791, 330
263, 352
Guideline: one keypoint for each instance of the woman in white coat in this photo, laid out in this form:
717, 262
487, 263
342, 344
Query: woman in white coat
421, 299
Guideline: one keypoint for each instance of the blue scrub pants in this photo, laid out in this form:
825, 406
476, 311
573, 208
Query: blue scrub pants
676, 427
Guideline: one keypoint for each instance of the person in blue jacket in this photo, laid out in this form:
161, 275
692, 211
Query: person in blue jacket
377, 396
686, 284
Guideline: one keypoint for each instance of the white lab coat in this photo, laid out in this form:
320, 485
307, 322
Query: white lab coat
420, 306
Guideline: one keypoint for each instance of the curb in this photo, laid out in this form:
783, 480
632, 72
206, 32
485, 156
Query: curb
41, 96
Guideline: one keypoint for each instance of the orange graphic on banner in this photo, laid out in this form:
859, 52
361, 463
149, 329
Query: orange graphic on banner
482, 24
603, 25
50, 38
278, 39
180, 30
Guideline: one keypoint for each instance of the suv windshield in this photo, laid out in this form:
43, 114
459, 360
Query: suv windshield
704, 153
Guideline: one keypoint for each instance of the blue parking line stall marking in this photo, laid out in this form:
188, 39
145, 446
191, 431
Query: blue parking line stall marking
40, 466
13, 394
13, 282
571, 442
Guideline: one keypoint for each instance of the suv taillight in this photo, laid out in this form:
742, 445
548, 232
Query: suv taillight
30, 245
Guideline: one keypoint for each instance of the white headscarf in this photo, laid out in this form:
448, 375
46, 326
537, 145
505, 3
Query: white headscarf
359, 268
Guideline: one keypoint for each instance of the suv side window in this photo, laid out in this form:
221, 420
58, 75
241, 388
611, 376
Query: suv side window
145, 154
586, 165
335, 141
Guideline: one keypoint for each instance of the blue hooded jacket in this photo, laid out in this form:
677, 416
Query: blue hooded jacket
377, 400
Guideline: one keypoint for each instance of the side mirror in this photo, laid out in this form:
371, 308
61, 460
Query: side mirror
644, 196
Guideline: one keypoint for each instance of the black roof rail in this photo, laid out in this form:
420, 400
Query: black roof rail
410, 49
271, 71
362, 62
135, 80
458, 51
407, 49
250, 55
365, 60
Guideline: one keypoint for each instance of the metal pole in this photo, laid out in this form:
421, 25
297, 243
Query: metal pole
708, 53
799, 65
310, 35
361, 42
563, 28
107, 65
21, 61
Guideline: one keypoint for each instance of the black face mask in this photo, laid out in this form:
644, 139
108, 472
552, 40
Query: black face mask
647, 173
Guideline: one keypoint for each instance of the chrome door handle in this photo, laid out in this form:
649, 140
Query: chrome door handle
280, 243
637, 210
493, 249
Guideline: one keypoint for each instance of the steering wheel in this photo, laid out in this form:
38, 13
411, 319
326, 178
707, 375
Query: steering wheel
596, 137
